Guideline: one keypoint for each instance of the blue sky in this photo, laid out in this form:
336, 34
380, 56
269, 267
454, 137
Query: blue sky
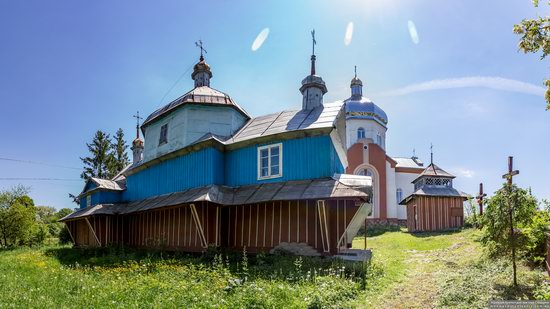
70, 68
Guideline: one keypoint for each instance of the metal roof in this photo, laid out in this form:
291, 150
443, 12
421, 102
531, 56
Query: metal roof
434, 171
364, 108
105, 184
287, 121
434, 191
408, 162
290, 190
199, 95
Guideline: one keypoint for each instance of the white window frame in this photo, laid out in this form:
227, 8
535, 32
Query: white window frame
379, 139
88, 200
269, 147
399, 195
363, 133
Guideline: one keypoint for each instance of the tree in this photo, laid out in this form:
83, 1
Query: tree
535, 37
120, 156
496, 221
17, 217
96, 165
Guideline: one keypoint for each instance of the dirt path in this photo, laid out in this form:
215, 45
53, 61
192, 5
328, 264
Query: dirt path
419, 288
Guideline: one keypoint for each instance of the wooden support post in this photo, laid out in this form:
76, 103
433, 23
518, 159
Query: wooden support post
325, 240
198, 225
92, 229
69, 229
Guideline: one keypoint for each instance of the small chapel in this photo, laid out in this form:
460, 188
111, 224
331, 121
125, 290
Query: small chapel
205, 174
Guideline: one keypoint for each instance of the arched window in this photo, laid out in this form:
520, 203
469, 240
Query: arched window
379, 139
399, 195
360, 133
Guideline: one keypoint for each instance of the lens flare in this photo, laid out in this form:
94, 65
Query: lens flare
413, 33
260, 39
349, 34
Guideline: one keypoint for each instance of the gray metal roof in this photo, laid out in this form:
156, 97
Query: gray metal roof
105, 184
434, 191
290, 190
434, 171
198, 95
286, 121
408, 162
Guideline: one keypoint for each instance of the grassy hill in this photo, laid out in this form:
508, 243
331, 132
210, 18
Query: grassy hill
424, 270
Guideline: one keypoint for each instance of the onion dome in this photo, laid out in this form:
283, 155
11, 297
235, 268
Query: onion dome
359, 107
201, 73
138, 142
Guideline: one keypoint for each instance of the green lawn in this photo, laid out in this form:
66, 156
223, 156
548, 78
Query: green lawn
425, 270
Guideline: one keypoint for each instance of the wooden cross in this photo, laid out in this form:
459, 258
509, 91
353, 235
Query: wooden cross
199, 45
511, 173
138, 118
480, 199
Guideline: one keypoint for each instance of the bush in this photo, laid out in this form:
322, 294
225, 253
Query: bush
535, 237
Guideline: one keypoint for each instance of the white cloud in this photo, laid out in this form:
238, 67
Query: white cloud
260, 39
463, 172
490, 82
349, 34
413, 32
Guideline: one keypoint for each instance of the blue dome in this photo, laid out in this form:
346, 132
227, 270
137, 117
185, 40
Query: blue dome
363, 108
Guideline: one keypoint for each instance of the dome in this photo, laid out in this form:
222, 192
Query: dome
201, 66
138, 142
356, 82
363, 108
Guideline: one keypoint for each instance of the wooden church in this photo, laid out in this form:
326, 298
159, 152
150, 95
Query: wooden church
208, 174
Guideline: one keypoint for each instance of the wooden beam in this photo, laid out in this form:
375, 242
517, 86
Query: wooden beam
70, 234
198, 225
92, 229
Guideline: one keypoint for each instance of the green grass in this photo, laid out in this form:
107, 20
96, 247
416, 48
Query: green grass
408, 271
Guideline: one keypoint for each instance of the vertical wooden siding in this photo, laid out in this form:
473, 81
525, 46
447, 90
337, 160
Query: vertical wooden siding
259, 226
196, 169
434, 213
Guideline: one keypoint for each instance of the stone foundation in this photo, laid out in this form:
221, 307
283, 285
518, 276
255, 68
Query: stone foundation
386, 222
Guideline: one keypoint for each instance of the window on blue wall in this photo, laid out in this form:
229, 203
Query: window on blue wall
270, 161
163, 134
89, 200
360, 133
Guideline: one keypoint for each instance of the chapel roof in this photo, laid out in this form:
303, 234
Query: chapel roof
435, 191
434, 171
203, 95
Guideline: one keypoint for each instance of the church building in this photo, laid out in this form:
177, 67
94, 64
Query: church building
206, 173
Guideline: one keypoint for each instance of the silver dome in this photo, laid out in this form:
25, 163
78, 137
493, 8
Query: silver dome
363, 108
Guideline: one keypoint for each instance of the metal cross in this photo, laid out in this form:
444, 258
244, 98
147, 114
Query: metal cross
355, 69
431, 153
480, 199
314, 41
199, 45
414, 153
138, 118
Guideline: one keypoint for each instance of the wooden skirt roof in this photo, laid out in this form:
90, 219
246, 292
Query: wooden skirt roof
324, 188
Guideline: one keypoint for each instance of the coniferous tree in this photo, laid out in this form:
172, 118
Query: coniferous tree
119, 154
96, 165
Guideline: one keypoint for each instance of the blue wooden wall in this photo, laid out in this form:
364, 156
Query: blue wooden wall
102, 197
196, 169
304, 158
